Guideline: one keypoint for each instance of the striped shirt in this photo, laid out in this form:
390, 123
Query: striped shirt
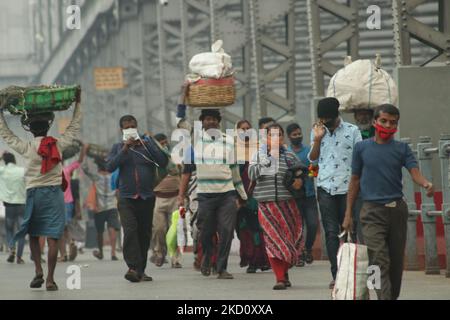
270, 186
214, 174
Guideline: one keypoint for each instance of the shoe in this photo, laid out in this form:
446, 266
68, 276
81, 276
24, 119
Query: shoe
177, 265
214, 269
331, 286
196, 265
146, 278
265, 268
97, 254
205, 267
73, 252
114, 258
309, 257
225, 275
287, 283
301, 260
132, 276
37, 281
52, 287
11, 258
279, 286
20, 261
251, 269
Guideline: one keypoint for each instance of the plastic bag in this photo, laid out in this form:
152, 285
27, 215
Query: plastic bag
352, 274
171, 236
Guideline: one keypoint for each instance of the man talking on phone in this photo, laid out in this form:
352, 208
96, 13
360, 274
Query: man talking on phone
332, 143
136, 160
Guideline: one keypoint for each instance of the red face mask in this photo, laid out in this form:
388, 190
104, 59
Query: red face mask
384, 133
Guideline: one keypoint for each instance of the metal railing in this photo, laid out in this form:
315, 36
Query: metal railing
428, 212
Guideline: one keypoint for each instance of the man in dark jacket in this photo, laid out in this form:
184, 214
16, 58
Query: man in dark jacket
137, 161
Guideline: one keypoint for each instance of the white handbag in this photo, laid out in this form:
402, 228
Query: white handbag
352, 274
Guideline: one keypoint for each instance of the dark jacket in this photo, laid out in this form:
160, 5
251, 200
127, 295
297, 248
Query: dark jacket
136, 177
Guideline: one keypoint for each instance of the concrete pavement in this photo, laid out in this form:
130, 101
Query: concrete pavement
104, 280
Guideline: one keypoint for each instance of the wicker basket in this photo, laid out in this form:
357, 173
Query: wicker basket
40, 99
211, 93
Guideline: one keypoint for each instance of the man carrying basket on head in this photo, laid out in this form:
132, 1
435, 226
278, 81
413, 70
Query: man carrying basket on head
45, 212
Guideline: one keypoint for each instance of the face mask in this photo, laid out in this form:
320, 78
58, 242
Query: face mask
384, 133
297, 141
130, 133
329, 124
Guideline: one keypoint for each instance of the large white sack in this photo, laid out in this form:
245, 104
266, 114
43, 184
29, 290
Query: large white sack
216, 64
362, 85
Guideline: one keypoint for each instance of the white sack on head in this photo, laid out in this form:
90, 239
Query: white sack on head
362, 85
216, 64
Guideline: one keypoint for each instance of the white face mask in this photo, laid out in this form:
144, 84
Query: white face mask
130, 133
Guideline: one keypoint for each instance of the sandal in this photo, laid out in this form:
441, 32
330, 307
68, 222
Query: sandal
37, 281
52, 287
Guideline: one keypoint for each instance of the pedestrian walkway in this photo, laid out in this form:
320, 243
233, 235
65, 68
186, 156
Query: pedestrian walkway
104, 280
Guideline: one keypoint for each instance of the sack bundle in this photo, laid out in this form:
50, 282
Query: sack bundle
362, 85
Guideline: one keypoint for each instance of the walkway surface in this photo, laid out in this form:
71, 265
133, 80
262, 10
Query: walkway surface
104, 280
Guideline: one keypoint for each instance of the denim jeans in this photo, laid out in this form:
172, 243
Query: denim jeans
310, 214
332, 210
13, 220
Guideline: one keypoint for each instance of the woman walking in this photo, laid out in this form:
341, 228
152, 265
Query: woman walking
252, 249
277, 210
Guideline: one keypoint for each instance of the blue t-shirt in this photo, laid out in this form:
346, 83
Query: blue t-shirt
379, 167
303, 156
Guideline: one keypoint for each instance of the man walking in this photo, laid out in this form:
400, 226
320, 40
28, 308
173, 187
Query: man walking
105, 206
12, 193
219, 186
44, 212
332, 143
166, 193
308, 205
377, 174
137, 160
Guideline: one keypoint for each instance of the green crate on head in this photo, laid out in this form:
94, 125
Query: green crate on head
42, 99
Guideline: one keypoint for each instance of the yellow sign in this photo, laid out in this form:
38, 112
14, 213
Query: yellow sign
109, 78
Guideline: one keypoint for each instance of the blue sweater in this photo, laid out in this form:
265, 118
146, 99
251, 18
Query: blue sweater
136, 174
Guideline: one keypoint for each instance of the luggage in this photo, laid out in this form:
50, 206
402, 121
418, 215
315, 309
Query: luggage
216, 64
352, 275
38, 99
211, 93
211, 82
362, 85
